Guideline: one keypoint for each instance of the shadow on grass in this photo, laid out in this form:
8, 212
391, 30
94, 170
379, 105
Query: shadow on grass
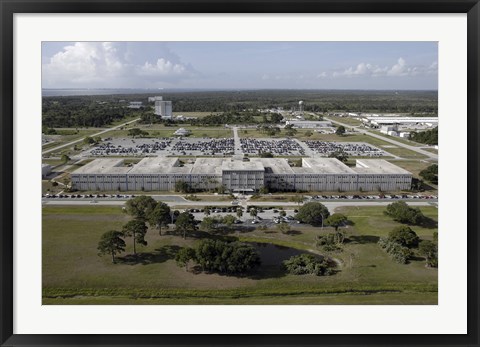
362, 239
159, 255
429, 223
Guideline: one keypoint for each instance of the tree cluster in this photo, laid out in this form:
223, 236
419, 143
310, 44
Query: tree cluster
332, 241
308, 264
403, 213
399, 244
67, 112
136, 132
430, 174
429, 137
217, 224
220, 256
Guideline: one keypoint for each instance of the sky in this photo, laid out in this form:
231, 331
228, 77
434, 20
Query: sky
241, 65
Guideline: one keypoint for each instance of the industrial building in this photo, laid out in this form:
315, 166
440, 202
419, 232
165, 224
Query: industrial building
315, 174
376, 122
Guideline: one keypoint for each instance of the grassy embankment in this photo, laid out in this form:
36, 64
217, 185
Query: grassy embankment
73, 273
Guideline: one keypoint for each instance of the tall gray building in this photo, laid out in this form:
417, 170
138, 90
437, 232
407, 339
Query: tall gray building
163, 109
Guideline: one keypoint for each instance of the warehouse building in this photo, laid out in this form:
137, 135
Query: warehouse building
315, 174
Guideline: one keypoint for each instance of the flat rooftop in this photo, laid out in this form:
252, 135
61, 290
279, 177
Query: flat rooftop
274, 165
378, 166
154, 165
237, 165
208, 166
104, 166
324, 166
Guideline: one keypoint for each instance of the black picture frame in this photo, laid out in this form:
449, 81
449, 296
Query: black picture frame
10, 7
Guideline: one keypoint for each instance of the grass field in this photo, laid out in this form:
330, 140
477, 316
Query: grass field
62, 139
73, 273
162, 131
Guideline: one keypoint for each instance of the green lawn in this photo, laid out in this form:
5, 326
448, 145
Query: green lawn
73, 273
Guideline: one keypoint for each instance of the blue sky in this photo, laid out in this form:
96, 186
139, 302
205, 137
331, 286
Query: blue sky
241, 65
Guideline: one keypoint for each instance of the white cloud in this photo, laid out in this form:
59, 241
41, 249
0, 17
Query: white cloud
107, 64
162, 67
399, 69
322, 75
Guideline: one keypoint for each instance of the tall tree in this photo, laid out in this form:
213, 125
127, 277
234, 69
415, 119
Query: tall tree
404, 236
184, 256
185, 223
340, 130
429, 250
136, 229
140, 207
239, 213
313, 213
160, 216
111, 243
336, 220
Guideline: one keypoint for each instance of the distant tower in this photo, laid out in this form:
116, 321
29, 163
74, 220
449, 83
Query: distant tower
300, 106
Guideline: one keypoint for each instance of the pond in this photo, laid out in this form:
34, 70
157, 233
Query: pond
271, 254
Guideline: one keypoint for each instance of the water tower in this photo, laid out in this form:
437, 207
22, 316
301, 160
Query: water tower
300, 107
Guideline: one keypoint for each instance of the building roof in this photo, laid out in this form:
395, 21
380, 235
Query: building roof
208, 166
323, 166
238, 165
154, 165
274, 165
104, 166
378, 166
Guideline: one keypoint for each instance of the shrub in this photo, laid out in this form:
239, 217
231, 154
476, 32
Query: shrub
399, 253
308, 264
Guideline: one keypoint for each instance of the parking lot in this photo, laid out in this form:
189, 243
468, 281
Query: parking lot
282, 147
351, 148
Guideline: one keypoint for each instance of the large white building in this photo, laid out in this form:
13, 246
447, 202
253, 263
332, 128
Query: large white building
163, 109
315, 174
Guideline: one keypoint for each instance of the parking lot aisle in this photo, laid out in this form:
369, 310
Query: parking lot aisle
236, 138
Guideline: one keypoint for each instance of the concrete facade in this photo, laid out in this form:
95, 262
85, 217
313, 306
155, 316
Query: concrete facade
163, 109
315, 174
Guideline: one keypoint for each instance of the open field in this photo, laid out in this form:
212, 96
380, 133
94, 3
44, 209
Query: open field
73, 273
156, 131
62, 139
414, 166
398, 139
432, 150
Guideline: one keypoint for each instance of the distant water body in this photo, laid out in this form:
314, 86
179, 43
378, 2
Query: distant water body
73, 92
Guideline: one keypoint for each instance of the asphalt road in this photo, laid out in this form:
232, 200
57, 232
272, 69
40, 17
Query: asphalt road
178, 203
